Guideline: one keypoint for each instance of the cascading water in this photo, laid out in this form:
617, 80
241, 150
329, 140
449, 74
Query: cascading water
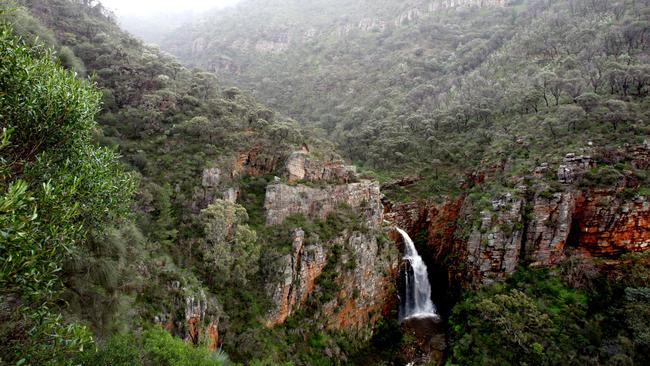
417, 292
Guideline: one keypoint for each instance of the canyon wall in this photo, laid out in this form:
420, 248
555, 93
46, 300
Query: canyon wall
360, 265
533, 226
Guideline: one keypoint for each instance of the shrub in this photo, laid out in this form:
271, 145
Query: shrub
162, 349
56, 186
155, 347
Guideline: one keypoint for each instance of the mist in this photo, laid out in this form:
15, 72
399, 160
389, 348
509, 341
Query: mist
144, 8
152, 20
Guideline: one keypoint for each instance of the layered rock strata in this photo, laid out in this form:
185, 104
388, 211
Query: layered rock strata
365, 265
533, 226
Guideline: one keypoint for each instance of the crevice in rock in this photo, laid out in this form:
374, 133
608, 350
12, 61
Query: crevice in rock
573, 239
529, 201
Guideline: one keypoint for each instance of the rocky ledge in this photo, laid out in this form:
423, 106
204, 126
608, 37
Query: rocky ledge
531, 226
284, 200
363, 264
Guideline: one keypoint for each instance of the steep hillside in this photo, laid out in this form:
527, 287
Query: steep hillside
437, 85
522, 127
233, 244
226, 229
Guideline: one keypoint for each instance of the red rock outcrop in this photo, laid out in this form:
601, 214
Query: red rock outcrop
213, 336
365, 289
607, 226
300, 269
438, 220
258, 161
365, 266
538, 229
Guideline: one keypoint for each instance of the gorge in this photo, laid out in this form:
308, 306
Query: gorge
326, 182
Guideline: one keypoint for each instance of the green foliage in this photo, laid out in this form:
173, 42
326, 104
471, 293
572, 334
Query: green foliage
231, 247
516, 84
121, 350
163, 228
492, 89
537, 319
163, 349
57, 188
154, 347
602, 176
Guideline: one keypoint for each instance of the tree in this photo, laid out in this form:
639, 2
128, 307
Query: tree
164, 229
588, 101
57, 186
572, 114
230, 246
544, 82
617, 112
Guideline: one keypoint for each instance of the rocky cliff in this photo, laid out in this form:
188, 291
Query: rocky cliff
530, 225
278, 39
357, 264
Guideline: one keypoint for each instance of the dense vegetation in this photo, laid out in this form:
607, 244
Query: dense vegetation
109, 231
135, 260
58, 190
571, 316
445, 91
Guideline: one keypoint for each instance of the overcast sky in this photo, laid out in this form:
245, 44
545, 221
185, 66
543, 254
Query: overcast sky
142, 7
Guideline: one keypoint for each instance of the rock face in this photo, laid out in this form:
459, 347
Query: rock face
193, 315
549, 227
299, 167
574, 168
258, 161
537, 229
280, 38
446, 4
362, 293
217, 181
283, 200
298, 278
211, 178
365, 289
362, 265
606, 225
494, 247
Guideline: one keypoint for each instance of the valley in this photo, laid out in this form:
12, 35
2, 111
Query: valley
455, 182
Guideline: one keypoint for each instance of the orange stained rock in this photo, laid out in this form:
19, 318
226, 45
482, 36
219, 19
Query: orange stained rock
213, 336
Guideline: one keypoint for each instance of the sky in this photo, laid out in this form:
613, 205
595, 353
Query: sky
142, 7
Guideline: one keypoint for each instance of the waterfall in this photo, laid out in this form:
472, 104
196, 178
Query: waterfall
417, 292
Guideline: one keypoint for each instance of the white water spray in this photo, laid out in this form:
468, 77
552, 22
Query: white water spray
417, 293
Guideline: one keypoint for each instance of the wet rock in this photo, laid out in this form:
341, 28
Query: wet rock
428, 340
